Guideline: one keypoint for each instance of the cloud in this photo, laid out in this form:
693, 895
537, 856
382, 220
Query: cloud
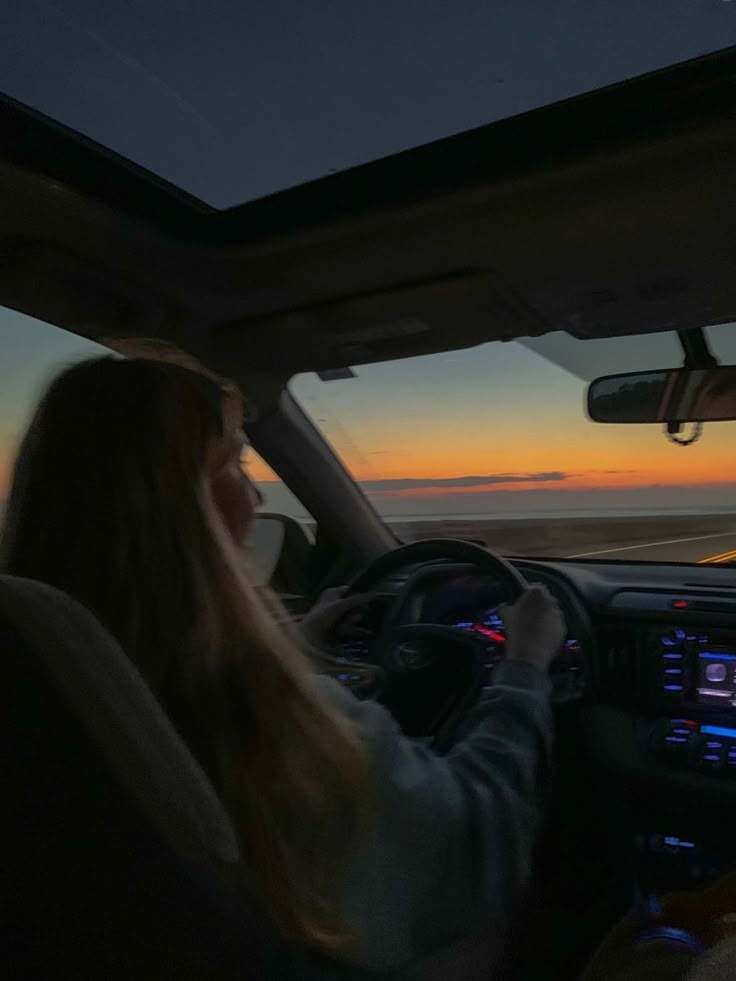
391, 485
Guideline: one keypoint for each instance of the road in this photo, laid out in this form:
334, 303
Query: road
714, 549
646, 538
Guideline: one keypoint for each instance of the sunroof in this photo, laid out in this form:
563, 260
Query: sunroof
233, 101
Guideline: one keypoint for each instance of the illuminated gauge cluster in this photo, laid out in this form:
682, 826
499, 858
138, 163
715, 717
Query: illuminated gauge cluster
489, 626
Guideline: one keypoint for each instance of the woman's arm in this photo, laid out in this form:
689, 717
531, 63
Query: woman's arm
450, 840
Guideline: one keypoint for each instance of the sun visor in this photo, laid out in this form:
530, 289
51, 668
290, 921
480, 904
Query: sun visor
457, 310
610, 354
59, 287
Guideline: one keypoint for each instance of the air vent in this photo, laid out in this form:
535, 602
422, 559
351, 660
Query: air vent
618, 664
720, 586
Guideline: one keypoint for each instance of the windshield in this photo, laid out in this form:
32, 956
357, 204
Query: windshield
493, 443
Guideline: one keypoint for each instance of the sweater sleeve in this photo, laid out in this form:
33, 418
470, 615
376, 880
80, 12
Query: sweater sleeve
450, 838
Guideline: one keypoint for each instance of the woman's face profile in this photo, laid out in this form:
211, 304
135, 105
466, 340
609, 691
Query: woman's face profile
235, 495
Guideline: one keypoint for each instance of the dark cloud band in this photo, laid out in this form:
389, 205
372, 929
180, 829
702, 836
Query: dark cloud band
419, 483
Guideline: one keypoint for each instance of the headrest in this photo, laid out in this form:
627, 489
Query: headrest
122, 716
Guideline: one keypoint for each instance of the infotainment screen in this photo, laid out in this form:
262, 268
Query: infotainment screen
716, 676
697, 667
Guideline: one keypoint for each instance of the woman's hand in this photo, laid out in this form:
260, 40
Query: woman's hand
535, 628
329, 609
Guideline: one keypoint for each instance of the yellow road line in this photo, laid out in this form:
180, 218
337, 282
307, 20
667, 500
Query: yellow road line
718, 559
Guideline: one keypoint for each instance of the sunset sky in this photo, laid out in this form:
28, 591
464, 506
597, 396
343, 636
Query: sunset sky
493, 428
474, 430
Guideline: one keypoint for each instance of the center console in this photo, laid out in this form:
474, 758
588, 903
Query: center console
665, 724
690, 672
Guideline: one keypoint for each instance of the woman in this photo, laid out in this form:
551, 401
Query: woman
129, 495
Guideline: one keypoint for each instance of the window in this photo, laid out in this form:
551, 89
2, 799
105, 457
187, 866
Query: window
234, 101
31, 353
277, 496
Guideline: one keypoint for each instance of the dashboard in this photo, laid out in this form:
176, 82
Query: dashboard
651, 650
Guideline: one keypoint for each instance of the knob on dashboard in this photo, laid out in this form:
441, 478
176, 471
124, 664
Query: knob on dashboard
673, 638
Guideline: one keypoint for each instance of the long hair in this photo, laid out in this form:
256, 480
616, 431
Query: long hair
111, 502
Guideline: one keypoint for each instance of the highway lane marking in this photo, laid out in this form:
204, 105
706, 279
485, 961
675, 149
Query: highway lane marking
718, 559
672, 541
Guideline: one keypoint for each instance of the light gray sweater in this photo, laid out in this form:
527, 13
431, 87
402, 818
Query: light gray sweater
451, 840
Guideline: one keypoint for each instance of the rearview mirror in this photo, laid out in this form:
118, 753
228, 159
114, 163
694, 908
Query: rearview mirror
671, 395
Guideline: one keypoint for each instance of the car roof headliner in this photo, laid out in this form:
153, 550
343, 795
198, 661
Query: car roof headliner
607, 214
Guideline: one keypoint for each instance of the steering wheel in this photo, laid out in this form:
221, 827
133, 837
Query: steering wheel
449, 664
438, 548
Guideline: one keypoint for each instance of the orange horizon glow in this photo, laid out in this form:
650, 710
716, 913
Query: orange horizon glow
591, 480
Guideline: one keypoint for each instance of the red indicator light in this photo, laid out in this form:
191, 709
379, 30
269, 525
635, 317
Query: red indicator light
680, 605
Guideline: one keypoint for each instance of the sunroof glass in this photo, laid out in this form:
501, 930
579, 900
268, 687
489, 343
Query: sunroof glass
232, 101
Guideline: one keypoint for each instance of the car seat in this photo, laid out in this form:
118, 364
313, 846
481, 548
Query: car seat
118, 858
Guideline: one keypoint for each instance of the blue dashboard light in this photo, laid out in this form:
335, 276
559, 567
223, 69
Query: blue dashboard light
672, 687
718, 731
708, 656
675, 842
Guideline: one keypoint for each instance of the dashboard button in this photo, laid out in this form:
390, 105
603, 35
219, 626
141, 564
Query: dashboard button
675, 737
713, 754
